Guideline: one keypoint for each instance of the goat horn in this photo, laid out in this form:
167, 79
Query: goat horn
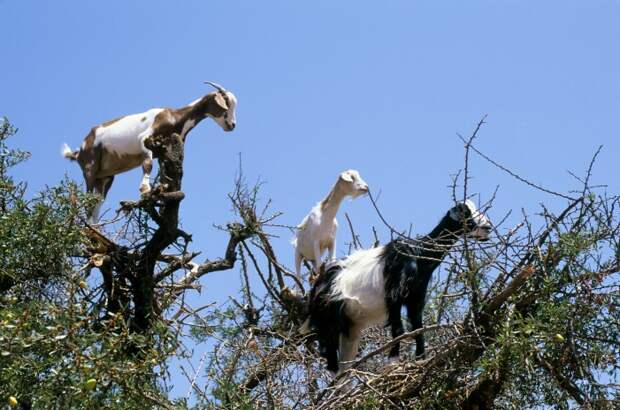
216, 86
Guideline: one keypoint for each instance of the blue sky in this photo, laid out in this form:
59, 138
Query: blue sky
323, 86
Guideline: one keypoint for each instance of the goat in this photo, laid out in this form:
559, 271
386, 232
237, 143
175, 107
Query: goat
117, 146
317, 231
371, 286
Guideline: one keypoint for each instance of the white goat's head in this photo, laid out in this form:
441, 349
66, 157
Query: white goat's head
352, 183
226, 102
476, 223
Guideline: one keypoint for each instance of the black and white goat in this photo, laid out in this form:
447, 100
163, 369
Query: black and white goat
117, 146
371, 286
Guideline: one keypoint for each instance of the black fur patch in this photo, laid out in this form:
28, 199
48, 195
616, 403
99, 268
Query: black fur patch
398, 255
328, 318
406, 277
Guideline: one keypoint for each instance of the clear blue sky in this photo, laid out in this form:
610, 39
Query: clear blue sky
323, 86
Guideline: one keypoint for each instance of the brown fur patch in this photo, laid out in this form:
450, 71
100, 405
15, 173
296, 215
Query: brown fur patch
90, 138
165, 122
112, 163
87, 156
105, 124
221, 102
213, 108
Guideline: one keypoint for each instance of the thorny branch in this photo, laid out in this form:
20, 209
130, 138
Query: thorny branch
513, 289
533, 273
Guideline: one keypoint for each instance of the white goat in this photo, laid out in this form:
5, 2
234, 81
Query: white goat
117, 146
317, 231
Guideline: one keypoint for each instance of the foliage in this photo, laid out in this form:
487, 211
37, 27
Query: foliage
52, 338
90, 316
528, 320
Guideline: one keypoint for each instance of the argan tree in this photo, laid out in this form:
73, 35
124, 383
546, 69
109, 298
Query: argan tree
527, 320
90, 316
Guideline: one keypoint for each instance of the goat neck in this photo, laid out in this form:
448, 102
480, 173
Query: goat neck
194, 112
197, 110
434, 246
331, 203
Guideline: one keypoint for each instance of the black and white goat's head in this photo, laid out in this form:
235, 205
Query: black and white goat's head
226, 103
475, 223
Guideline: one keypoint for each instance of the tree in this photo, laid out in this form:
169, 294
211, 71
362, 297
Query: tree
90, 315
526, 321
60, 347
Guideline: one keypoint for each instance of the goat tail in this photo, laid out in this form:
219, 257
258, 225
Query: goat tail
67, 153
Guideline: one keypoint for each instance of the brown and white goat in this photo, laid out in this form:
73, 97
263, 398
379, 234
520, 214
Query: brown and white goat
117, 146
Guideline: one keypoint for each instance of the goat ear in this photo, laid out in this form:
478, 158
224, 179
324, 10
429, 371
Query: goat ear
221, 101
346, 176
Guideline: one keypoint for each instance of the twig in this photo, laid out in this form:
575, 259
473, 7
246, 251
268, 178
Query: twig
514, 175
392, 230
355, 238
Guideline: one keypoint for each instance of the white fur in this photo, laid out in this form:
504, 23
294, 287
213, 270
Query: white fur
126, 136
361, 285
66, 151
187, 127
317, 231
479, 218
315, 234
348, 347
